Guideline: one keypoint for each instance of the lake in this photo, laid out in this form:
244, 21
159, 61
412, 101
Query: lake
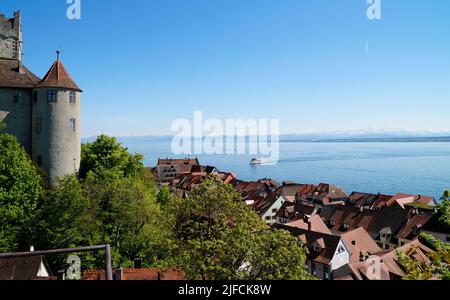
415, 168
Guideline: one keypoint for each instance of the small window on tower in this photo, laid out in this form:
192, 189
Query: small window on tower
73, 125
52, 96
18, 98
72, 97
38, 125
35, 97
39, 160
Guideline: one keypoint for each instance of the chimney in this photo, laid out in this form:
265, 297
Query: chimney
61, 275
138, 263
307, 220
20, 68
119, 273
361, 256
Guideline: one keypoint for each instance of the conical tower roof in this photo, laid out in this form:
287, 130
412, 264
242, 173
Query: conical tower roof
58, 77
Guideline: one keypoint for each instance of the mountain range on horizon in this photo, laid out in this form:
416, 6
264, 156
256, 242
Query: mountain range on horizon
349, 135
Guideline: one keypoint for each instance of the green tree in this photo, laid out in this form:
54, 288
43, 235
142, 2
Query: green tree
439, 266
20, 188
278, 256
67, 219
164, 196
114, 203
132, 221
219, 237
444, 208
107, 156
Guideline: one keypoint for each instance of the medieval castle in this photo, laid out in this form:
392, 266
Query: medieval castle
44, 114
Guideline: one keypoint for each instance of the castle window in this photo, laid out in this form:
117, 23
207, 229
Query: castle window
73, 125
72, 97
18, 98
38, 125
52, 96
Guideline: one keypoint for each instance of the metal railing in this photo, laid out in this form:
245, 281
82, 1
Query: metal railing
107, 248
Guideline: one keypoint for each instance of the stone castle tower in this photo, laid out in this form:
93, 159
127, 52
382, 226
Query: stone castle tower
44, 115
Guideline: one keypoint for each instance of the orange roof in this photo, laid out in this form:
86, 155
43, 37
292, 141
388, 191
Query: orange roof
58, 77
317, 225
403, 199
389, 267
15, 75
139, 274
358, 241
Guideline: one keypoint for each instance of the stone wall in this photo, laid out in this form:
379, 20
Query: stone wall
11, 37
15, 112
55, 146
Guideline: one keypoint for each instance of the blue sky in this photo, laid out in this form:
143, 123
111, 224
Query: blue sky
318, 65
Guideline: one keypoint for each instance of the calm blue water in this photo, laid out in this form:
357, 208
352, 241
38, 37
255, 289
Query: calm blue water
416, 168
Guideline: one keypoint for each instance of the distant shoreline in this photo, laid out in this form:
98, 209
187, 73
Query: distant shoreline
375, 140
293, 139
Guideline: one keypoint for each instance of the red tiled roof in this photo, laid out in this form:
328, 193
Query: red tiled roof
413, 224
317, 225
389, 268
330, 242
58, 77
358, 241
359, 199
173, 162
138, 274
12, 77
402, 199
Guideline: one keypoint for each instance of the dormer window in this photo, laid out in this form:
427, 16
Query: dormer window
333, 222
346, 226
52, 96
317, 247
72, 97
340, 250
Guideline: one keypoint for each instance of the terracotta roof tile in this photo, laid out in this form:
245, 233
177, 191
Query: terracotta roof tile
359, 240
390, 268
138, 274
317, 224
11, 77
58, 77
330, 242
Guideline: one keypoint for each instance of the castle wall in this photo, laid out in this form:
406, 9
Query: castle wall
55, 146
11, 37
15, 112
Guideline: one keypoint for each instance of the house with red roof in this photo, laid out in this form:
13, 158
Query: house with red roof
385, 265
326, 252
